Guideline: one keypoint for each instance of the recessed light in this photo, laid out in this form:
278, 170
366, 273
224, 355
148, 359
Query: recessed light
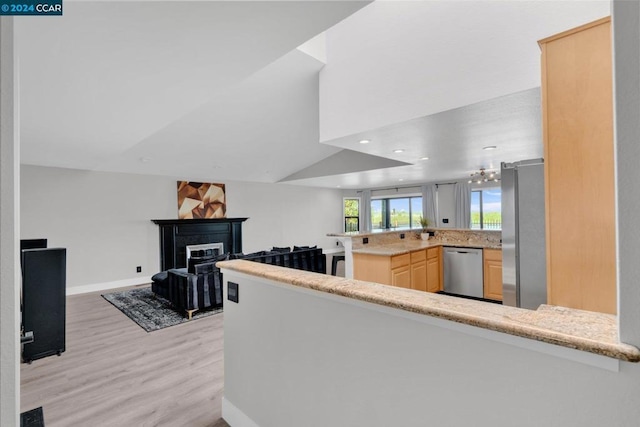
337, 186
145, 159
399, 150
424, 158
489, 147
401, 179
364, 141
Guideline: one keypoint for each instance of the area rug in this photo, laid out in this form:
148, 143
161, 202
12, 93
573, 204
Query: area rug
149, 310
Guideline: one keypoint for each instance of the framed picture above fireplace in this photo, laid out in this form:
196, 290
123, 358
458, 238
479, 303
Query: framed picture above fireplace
201, 200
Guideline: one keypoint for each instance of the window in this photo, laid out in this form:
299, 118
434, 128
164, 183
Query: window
351, 211
397, 213
486, 209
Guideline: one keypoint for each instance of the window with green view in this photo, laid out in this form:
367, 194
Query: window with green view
486, 209
351, 215
396, 213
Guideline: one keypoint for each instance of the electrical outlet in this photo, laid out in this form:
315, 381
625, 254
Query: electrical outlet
139, 269
445, 220
365, 240
402, 235
337, 243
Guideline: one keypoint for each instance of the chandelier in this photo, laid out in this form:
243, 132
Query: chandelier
484, 176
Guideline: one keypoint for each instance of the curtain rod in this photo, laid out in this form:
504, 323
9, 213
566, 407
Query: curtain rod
403, 187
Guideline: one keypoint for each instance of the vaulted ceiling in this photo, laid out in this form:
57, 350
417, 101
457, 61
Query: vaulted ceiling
217, 90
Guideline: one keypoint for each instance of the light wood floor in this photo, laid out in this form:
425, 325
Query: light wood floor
113, 373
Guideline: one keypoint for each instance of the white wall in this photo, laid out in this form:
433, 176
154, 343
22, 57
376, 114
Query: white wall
446, 205
104, 219
380, 61
349, 364
285, 215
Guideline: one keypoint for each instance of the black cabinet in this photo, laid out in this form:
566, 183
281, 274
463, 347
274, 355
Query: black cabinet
43, 301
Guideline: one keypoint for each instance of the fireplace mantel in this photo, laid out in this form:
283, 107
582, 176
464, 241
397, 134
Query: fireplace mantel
177, 234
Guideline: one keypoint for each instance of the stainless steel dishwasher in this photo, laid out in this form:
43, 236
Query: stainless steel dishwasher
463, 271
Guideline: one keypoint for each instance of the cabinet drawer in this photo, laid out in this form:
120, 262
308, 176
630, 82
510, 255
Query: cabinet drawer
492, 254
433, 253
400, 260
417, 256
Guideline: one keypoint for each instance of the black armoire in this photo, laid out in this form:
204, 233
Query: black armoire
43, 301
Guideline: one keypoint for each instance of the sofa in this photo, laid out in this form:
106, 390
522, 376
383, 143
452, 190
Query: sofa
197, 287
308, 258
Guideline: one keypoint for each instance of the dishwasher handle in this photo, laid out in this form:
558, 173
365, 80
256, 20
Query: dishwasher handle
463, 251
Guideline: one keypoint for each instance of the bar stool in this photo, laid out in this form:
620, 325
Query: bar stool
334, 262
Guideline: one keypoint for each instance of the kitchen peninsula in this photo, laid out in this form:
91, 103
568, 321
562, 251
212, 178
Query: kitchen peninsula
399, 258
329, 342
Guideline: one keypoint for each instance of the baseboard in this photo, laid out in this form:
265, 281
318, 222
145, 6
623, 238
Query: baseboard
234, 416
95, 287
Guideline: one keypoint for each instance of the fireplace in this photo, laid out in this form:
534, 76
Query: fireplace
177, 234
207, 249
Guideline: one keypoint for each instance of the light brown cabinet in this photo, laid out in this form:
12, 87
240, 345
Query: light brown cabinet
435, 272
577, 107
420, 269
492, 260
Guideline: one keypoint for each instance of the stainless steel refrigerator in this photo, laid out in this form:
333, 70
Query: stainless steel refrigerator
524, 263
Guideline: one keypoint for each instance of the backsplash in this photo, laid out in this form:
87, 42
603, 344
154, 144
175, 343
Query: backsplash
479, 237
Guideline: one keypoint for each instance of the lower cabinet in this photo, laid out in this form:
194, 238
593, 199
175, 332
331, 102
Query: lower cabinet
420, 270
435, 272
492, 274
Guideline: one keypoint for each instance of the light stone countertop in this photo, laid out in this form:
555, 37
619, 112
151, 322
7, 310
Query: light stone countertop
415, 245
577, 329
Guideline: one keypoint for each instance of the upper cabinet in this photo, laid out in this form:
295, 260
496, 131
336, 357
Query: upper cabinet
577, 108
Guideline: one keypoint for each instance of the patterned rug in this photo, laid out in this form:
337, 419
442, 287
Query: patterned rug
150, 311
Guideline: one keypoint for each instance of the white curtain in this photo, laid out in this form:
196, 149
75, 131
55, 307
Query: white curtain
462, 194
429, 209
365, 211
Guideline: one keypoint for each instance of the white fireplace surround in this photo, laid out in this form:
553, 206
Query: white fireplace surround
217, 247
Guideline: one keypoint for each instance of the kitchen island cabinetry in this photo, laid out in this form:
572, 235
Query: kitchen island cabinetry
420, 269
492, 274
434, 269
401, 271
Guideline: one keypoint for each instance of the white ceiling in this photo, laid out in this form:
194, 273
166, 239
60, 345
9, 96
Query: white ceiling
177, 82
452, 140
217, 91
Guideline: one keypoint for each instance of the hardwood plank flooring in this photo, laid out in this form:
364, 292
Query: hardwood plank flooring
113, 373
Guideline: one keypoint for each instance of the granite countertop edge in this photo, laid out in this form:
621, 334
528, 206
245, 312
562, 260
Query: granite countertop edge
576, 329
392, 249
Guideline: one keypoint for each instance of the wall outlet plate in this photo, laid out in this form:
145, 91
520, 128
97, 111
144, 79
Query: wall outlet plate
139, 269
233, 292
365, 240
445, 220
402, 235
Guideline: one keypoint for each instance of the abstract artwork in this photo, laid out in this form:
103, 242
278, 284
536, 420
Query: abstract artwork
201, 200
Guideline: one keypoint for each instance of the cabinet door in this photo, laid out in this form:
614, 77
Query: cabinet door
372, 268
493, 274
419, 276
434, 269
401, 277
